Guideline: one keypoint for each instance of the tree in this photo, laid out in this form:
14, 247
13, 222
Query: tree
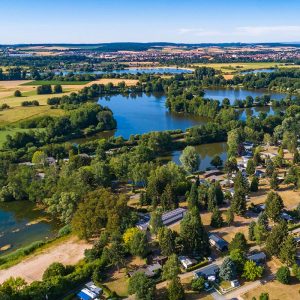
238, 257
252, 271
228, 269
17, 93
239, 242
193, 235
250, 169
171, 268
216, 218
193, 196
139, 244
55, 269
238, 203
274, 206
233, 142
197, 284
288, 251
296, 157
283, 275
276, 238
128, 235
269, 167
190, 159
166, 239
254, 184
168, 198
251, 227
39, 157
155, 221
229, 217
274, 181
216, 161
142, 286
58, 89
175, 289
11, 288
116, 254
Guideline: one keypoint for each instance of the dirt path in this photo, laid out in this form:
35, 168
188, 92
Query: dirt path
68, 252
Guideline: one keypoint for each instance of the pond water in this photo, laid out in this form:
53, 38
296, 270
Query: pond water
240, 94
206, 152
144, 113
133, 71
259, 71
21, 223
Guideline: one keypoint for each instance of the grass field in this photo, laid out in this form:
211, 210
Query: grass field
54, 82
231, 68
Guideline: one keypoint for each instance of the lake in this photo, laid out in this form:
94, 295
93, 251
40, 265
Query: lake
241, 94
206, 152
258, 71
144, 113
133, 71
21, 223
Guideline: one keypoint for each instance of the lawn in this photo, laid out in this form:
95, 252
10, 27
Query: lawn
230, 68
20, 113
276, 291
54, 82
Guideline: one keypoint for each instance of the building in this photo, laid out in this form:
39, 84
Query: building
186, 261
209, 271
173, 216
91, 291
214, 172
218, 242
148, 270
258, 258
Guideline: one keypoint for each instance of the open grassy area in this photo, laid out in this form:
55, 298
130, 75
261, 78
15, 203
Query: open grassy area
54, 82
231, 68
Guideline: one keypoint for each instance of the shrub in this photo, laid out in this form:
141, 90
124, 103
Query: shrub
283, 275
17, 93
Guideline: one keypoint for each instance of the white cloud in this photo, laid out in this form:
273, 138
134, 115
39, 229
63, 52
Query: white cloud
263, 30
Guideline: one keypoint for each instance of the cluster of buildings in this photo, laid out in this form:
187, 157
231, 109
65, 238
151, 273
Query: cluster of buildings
90, 292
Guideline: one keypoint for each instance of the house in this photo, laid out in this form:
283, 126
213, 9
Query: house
149, 270
160, 259
95, 289
86, 294
186, 261
206, 272
258, 258
218, 242
287, 217
173, 216
259, 173
227, 183
297, 240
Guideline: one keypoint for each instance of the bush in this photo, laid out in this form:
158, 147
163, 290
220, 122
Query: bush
198, 284
57, 89
17, 93
283, 275
65, 230
44, 89
55, 269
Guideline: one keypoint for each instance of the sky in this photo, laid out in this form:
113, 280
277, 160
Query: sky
186, 21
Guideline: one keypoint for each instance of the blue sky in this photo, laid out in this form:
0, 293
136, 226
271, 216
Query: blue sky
188, 21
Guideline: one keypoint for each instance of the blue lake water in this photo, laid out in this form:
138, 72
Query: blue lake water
258, 71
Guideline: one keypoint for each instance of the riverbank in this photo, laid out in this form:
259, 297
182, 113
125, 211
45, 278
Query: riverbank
67, 250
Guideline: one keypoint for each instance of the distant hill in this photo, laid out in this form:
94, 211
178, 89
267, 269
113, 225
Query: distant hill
132, 46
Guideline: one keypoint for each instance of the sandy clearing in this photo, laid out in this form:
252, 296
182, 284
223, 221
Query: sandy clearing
114, 81
68, 252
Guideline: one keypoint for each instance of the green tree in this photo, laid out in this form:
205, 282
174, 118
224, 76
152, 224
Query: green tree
233, 142
274, 206
139, 244
166, 239
250, 169
39, 157
228, 269
142, 286
193, 235
168, 198
274, 181
216, 218
193, 197
254, 184
116, 254
283, 275
216, 161
175, 289
288, 251
238, 203
238, 257
269, 167
296, 157
252, 271
197, 284
276, 237
57, 89
155, 221
251, 227
171, 268
229, 217
17, 93
55, 269
239, 242
190, 159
